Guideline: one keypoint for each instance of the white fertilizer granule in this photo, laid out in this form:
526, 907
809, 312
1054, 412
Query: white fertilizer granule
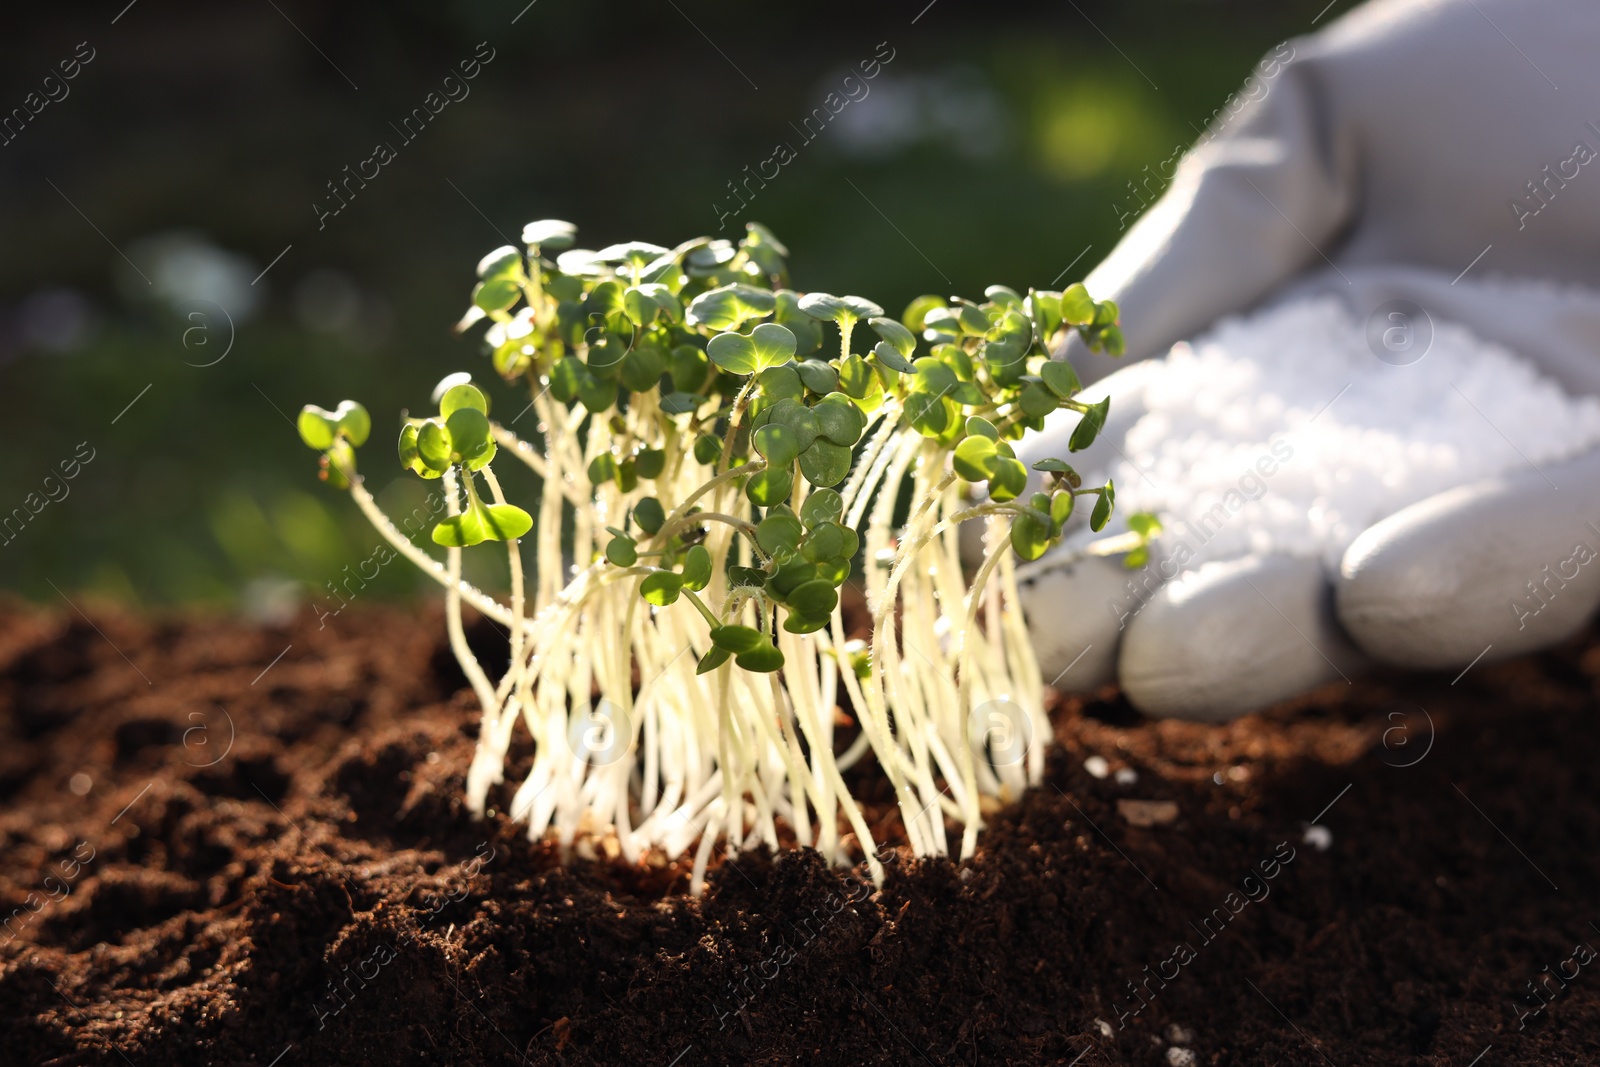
1282, 432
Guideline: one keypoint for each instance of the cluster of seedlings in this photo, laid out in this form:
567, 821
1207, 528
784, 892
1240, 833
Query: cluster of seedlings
717, 455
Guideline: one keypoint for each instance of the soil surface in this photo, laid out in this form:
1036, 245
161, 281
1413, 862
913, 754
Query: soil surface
222, 844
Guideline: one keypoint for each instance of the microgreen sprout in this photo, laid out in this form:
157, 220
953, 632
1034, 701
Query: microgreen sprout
718, 455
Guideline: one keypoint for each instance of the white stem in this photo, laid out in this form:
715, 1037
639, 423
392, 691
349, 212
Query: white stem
424, 562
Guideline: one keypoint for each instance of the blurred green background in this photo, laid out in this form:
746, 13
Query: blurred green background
997, 145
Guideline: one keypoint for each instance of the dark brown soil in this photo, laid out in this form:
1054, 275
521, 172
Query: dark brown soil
313, 892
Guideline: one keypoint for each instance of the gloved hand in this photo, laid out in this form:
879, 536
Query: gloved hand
1497, 566
1374, 167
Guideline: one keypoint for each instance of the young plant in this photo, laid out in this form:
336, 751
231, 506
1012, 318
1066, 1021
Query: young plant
718, 454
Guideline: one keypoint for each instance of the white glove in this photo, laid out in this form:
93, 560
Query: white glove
1396, 152
1311, 494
